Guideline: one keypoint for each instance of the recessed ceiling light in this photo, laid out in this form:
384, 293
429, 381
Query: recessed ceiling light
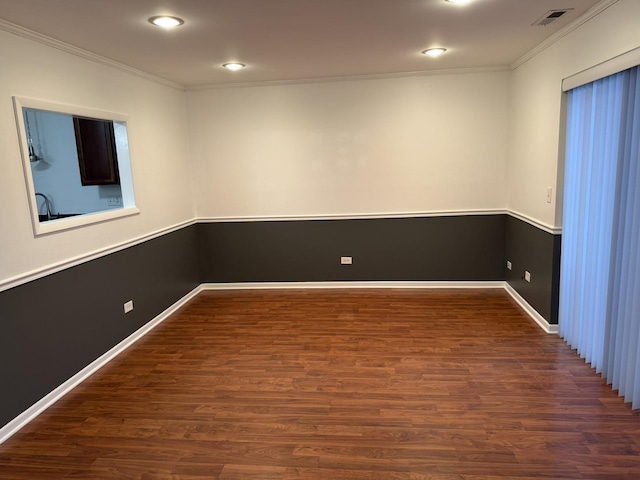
459, 2
434, 52
234, 66
165, 21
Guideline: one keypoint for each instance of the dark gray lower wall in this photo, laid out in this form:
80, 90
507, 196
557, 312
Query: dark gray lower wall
453, 248
538, 252
53, 327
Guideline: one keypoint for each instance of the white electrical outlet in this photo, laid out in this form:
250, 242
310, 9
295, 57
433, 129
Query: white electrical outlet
128, 306
114, 201
527, 276
549, 194
346, 260
509, 266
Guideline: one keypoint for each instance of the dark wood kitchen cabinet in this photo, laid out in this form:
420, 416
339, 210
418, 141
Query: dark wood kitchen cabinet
97, 154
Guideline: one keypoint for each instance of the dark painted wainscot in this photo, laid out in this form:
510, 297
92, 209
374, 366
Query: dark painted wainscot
53, 327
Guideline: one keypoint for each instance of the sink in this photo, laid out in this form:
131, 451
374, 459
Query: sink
45, 218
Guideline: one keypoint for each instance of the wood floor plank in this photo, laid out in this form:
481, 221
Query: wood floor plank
337, 384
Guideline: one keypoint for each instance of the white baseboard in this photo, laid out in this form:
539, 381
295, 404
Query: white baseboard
532, 312
539, 319
382, 284
37, 408
45, 402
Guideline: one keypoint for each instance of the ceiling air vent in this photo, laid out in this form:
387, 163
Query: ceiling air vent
549, 17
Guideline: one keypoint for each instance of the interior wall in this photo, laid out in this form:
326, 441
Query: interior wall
158, 142
53, 327
530, 249
536, 107
455, 142
397, 145
461, 248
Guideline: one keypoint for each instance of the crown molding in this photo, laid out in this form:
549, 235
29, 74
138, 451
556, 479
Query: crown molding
566, 30
351, 78
85, 54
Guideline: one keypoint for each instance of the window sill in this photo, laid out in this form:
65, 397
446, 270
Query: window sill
67, 223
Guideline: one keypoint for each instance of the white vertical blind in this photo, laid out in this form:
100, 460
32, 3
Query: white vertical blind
599, 290
590, 177
622, 361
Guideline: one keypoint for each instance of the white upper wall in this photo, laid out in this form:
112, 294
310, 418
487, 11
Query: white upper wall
535, 156
454, 142
397, 145
158, 141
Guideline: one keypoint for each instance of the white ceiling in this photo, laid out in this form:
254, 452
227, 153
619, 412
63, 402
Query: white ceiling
294, 39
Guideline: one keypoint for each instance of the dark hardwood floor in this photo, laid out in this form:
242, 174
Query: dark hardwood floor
337, 384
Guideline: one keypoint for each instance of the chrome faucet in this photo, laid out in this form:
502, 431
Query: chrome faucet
47, 203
